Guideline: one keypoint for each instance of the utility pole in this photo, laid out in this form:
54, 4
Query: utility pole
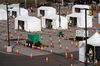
9, 47
86, 35
7, 23
59, 16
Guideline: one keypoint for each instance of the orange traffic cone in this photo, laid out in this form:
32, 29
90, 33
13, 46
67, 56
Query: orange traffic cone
41, 49
33, 47
31, 55
51, 44
19, 37
5, 48
59, 41
41, 38
17, 52
17, 42
76, 46
72, 44
67, 49
25, 45
72, 58
60, 46
66, 54
46, 60
50, 51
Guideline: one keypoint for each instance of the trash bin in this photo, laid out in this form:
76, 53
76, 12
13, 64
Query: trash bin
33, 38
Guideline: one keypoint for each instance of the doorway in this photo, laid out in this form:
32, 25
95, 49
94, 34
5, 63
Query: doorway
74, 21
14, 13
20, 25
90, 53
49, 23
42, 12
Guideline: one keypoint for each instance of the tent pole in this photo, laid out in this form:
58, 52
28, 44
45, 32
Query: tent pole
86, 35
8, 23
59, 17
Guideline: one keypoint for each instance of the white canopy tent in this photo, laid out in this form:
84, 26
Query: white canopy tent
54, 21
78, 16
3, 14
46, 10
93, 41
18, 11
28, 23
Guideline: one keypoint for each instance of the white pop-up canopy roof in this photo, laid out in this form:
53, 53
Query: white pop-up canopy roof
46, 10
94, 40
30, 23
3, 14
19, 11
79, 6
55, 21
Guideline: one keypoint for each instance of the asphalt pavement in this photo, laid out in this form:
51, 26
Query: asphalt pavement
23, 60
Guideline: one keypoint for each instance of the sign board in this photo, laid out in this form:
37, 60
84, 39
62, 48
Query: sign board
81, 33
